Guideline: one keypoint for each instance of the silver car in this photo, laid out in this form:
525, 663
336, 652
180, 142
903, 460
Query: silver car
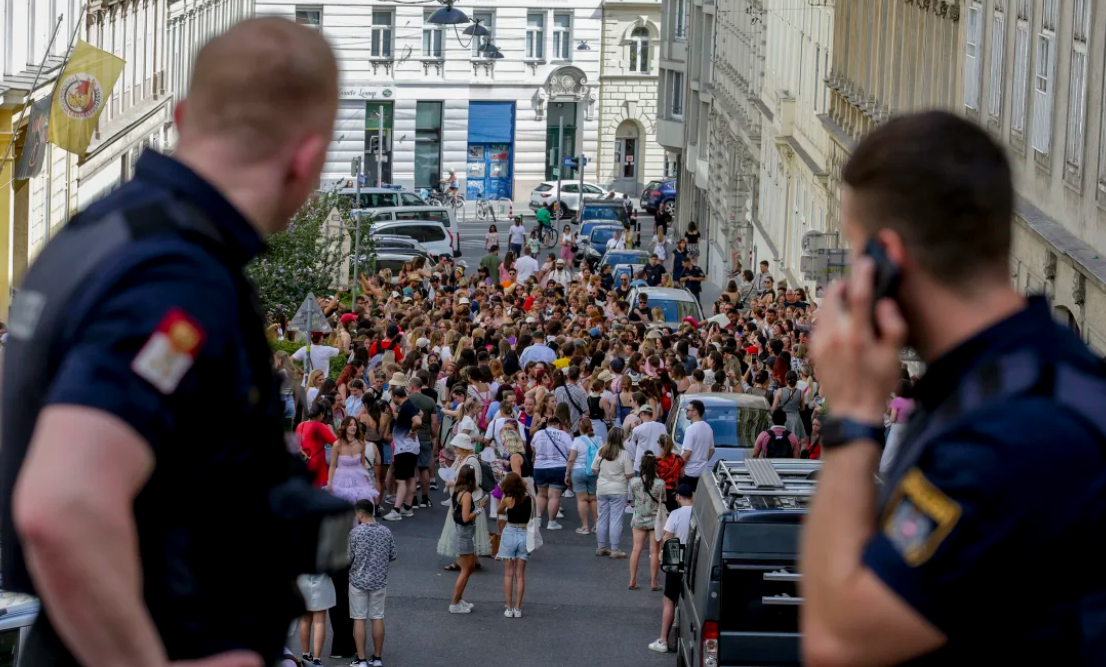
17, 614
736, 419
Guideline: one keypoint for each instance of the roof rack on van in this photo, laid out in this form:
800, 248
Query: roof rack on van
767, 483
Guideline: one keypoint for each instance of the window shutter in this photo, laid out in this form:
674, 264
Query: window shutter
971, 58
998, 58
1077, 93
1021, 76
1042, 93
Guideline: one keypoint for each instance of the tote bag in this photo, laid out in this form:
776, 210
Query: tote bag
662, 519
533, 527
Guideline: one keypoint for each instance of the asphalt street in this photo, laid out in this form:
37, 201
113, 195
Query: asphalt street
577, 608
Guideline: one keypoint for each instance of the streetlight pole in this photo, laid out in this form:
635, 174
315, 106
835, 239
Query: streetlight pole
379, 145
357, 235
560, 163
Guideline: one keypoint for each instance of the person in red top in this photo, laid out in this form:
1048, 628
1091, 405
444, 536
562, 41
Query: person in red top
670, 466
390, 342
315, 435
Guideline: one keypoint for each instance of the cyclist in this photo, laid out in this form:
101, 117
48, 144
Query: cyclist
450, 187
545, 218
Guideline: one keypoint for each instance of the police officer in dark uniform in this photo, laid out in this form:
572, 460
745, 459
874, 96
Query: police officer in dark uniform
980, 545
148, 495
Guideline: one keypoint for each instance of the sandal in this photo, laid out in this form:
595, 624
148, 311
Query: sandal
656, 588
452, 567
632, 587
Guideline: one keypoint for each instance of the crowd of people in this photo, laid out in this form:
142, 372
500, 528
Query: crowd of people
518, 393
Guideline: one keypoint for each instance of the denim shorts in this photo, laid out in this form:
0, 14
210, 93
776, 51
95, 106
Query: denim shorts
583, 482
384, 449
512, 544
554, 477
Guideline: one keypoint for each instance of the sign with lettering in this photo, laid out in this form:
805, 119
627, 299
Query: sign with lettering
366, 92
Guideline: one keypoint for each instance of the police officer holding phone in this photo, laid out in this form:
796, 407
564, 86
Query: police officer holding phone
960, 556
150, 537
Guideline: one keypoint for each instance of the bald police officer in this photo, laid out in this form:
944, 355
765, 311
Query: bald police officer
967, 554
148, 530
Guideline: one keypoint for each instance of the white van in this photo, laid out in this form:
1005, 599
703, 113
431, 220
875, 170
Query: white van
439, 214
381, 197
430, 233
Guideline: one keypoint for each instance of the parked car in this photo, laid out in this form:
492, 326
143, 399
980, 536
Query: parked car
677, 303
546, 193
17, 614
430, 233
736, 419
394, 261
440, 214
606, 210
594, 245
627, 269
381, 197
386, 242
659, 194
637, 258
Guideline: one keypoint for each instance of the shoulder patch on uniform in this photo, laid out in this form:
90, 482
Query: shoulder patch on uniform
170, 351
918, 518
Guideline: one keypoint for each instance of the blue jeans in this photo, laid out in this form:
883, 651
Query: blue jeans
609, 528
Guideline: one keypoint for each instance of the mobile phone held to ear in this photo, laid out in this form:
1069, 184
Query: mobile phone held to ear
887, 277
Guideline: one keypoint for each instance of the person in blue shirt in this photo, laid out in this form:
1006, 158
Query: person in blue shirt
134, 517
959, 557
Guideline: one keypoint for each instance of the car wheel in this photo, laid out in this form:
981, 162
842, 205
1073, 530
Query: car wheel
669, 206
562, 213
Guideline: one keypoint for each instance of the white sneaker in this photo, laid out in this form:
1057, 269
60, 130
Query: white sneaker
560, 514
459, 609
392, 516
447, 502
659, 646
583, 531
467, 604
629, 510
568, 494
553, 525
409, 512
517, 613
509, 613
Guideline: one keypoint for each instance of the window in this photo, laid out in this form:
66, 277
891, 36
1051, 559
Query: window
639, 50
676, 93
680, 22
562, 37
1043, 87
431, 38
1077, 90
998, 57
382, 34
1021, 69
428, 144
312, 17
485, 19
971, 56
535, 36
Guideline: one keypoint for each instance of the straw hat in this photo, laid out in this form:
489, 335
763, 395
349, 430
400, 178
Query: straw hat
462, 441
398, 380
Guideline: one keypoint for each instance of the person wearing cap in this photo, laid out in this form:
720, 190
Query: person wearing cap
677, 525
560, 275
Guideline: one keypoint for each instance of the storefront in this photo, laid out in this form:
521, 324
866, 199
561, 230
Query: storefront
489, 167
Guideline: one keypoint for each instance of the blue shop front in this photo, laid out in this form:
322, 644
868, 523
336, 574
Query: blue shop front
491, 150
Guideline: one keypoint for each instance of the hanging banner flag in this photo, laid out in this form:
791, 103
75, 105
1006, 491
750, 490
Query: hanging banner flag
82, 91
34, 143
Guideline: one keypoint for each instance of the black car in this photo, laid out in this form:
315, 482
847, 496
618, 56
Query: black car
606, 209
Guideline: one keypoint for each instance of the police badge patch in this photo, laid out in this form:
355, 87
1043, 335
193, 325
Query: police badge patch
919, 516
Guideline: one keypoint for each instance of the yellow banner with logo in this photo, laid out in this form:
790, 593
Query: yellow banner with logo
83, 90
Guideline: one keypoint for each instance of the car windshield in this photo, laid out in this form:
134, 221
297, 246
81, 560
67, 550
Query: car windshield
675, 311
732, 426
600, 236
599, 213
623, 258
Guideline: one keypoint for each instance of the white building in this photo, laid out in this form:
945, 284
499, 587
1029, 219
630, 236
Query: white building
629, 155
671, 92
443, 105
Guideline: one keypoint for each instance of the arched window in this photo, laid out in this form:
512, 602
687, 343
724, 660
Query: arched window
639, 51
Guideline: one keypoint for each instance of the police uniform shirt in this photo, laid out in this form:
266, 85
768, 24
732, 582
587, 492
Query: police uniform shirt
991, 533
194, 514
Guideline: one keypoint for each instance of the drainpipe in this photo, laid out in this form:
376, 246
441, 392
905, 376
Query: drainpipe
602, 61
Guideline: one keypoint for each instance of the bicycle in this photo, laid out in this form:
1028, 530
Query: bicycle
548, 235
484, 209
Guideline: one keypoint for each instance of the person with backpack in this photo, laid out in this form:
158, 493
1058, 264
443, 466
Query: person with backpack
777, 442
391, 343
581, 479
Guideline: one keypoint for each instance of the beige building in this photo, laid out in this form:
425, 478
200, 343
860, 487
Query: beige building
1033, 75
629, 156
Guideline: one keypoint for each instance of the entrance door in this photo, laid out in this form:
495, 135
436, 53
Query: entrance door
627, 159
374, 146
557, 111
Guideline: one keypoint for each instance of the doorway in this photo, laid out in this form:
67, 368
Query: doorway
558, 111
627, 159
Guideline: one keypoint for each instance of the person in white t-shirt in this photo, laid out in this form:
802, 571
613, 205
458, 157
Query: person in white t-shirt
616, 242
645, 437
516, 236
320, 359
698, 445
678, 524
526, 266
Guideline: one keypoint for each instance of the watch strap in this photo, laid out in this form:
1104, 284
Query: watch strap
838, 432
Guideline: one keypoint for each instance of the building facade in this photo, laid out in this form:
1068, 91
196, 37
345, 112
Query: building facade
418, 99
1032, 73
629, 156
671, 74
793, 167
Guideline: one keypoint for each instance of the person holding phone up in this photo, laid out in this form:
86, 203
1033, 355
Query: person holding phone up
948, 562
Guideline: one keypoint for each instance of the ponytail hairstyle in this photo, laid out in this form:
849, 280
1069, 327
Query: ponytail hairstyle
648, 472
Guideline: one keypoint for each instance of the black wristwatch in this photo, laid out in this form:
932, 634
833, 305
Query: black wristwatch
837, 432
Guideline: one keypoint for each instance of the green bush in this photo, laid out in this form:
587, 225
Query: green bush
336, 364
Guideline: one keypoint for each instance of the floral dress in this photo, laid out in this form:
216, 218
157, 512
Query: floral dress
646, 504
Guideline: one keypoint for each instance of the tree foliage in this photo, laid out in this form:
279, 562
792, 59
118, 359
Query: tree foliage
308, 257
